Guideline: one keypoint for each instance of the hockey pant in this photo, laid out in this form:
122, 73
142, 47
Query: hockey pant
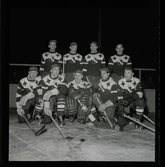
110, 111
57, 106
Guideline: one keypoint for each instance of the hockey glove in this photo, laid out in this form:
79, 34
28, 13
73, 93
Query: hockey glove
20, 111
25, 98
102, 107
125, 102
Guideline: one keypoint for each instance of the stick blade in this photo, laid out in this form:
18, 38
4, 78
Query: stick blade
69, 137
42, 130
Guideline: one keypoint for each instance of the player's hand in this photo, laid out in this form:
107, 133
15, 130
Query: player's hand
47, 95
102, 107
84, 108
20, 111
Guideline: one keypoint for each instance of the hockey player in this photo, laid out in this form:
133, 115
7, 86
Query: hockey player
54, 90
29, 93
79, 99
118, 62
106, 96
130, 95
49, 58
92, 63
72, 61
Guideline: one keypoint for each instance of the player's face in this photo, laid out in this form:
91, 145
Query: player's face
128, 74
33, 74
73, 48
119, 49
104, 75
93, 47
55, 71
78, 77
52, 46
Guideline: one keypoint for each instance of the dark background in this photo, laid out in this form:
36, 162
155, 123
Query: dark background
30, 30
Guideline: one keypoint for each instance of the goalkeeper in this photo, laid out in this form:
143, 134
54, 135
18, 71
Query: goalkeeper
79, 99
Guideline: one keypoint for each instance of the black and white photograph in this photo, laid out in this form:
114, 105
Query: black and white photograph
83, 82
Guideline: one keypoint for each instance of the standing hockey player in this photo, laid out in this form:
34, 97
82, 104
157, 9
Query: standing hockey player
72, 61
106, 96
79, 99
118, 62
92, 63
54, 90
49, 58
29, 93
130, 95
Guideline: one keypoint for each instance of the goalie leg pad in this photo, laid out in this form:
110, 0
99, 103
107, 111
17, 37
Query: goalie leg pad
81, 117
71, 107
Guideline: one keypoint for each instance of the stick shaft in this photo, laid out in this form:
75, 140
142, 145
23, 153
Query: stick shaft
148, 119
139, 123
59, 129
28, 123
111, 125
63, 66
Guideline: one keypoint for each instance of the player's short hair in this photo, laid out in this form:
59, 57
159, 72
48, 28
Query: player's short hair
79, 71
52, 41
128, 68
104, 69
33, 68
55, 65
93, 42
73, 43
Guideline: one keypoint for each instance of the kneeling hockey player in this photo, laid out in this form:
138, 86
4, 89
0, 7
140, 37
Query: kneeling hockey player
54, 90
79, 99
130, 95
29, 93
105, 98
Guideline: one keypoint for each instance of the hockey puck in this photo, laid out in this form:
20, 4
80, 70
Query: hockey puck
82, 140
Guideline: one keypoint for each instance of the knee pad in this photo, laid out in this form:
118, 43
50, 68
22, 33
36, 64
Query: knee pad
140, 103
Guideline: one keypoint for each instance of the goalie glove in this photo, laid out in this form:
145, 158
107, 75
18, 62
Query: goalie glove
25, 98
125, 102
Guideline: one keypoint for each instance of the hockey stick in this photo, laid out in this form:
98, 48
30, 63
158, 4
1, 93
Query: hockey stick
59, 129
148, 119
126, 116
36, 133
111, 125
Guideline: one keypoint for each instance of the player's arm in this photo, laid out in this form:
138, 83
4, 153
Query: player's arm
103, 61
85, 66
42, 67
110, 64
